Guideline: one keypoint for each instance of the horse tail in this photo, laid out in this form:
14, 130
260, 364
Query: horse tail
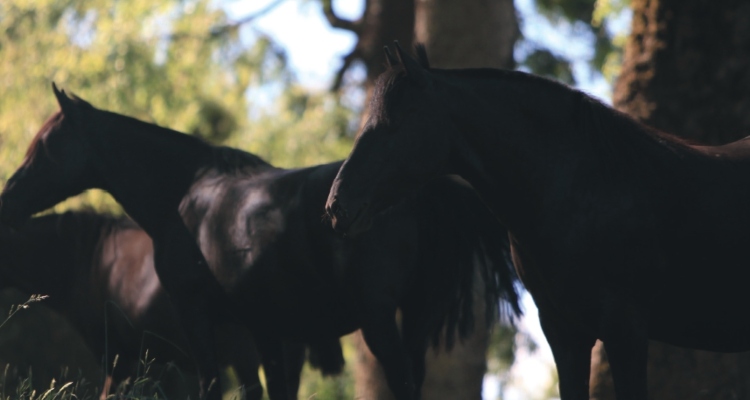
462, 250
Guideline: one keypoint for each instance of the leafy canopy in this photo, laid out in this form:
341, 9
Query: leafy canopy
177, 63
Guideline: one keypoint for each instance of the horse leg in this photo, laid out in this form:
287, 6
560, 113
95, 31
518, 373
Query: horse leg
122, 371
382, 337
193, 313
196, 295
416, 337
234, 346
271, 351
572, 353
193, 317
110, 380
106, 388
294, 361
626, 344
327, 356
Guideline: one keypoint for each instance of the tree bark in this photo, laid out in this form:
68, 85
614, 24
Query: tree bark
467, 34
686, 71
687, 68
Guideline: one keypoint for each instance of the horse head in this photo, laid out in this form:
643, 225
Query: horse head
403, 144
56, 166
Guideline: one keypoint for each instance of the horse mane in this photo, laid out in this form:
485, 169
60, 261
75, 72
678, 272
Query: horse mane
464, 244
603, 118
225, 159
41, 136
385, 90
595, 117
616, 136
231, 160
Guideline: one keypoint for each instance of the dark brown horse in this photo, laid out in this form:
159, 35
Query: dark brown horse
98, 271
619, 232
285, 274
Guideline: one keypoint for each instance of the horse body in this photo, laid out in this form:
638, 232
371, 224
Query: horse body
98, 272
644, 238
619, 232
701, 284
223, 217
247, 223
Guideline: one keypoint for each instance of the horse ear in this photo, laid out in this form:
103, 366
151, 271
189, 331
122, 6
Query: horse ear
67, 106
389, 58
413, 69
422, 55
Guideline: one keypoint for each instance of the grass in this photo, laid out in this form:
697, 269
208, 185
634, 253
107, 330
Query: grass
150, 380
14, 386
14, 309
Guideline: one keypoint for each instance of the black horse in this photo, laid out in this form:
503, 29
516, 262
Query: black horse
285, 273
98, 271
619, 232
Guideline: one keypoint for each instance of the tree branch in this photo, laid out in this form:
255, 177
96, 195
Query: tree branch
220, 30
338, 22
348, 59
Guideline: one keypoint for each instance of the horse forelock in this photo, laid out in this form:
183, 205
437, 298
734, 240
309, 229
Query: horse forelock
389, 85
387, 88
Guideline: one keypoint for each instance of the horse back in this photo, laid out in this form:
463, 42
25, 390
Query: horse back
264, 237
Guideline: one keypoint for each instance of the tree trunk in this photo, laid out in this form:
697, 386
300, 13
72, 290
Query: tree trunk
467, 34
687, 68
455, 374
382, 22
687, 72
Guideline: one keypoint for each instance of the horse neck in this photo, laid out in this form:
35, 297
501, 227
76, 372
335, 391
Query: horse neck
514, 141
147, 169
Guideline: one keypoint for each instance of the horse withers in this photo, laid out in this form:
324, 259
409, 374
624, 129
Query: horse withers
619, 232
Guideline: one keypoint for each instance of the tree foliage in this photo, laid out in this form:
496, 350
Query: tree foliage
301, 129
175, 63
591, 19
